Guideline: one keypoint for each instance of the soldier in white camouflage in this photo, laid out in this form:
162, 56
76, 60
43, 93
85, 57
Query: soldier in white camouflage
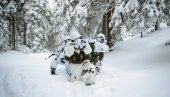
82, 57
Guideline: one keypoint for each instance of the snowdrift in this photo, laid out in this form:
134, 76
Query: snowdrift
139, 67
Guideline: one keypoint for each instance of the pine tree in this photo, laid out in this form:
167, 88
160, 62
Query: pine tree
25, 21
3, 28
84, 16
37, 18
11, 17
167, 11
137, 16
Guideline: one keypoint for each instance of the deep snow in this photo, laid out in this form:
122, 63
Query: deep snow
139, 67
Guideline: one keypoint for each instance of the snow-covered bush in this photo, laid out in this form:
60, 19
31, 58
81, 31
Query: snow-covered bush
24, 49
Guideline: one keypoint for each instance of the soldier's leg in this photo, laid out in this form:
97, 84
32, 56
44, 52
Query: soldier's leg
88, 73
98, 67
53, 70
53, 65
75, 71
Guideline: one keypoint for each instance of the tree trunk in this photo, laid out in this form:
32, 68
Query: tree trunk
168, 22
106, 29
10, 37
141, 34
25, 34
157, 25
13, 33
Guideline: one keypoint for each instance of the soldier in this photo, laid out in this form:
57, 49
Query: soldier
99, 48
82, 51
88, 73
59, 57
53, 66
72, 52
82, 57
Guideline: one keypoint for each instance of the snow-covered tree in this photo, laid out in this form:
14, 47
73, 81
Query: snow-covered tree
123, 16
3, 27
25, 22
153, 11
167, 11
84, 16
11, 9
137, 15
37, 17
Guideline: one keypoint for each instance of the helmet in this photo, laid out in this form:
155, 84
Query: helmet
66, 39
100, 38
74, 35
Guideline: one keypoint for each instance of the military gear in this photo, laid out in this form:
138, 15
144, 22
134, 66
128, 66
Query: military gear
100, 38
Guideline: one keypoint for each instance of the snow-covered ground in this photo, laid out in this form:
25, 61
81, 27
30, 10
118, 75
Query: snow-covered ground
139, 67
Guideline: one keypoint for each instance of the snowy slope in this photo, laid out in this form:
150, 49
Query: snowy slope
141, 66
136, 68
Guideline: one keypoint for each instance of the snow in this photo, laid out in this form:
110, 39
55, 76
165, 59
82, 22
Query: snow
1, 10
2, 40
74, 35
88, 77
69, 50
4, 1
151, 13
51, 4
141, 24
11, 7
87, 49
54, 62
100, 35
139, 67
163, 25
24, 49
101, 47
131, 5
66, 38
